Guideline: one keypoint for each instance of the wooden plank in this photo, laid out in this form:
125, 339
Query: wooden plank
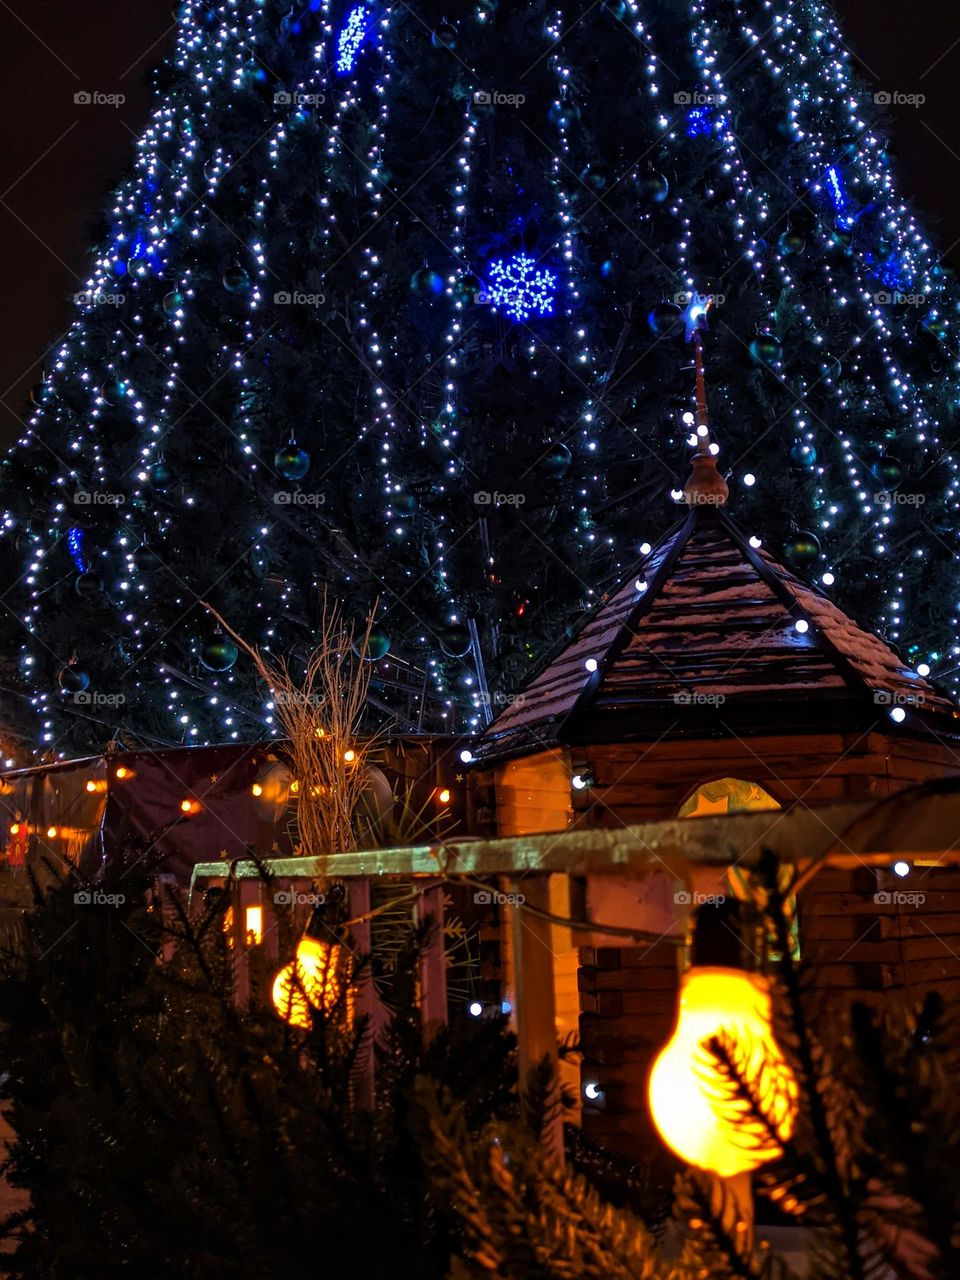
535, 1002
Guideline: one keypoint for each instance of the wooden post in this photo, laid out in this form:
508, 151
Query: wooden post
433, 968
535, 1000
365, 997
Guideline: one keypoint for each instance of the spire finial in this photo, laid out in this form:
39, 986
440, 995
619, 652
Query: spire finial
705, 485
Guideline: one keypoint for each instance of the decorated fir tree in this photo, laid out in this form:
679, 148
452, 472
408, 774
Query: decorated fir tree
392, 302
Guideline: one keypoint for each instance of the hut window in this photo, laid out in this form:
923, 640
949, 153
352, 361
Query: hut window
734, 795
727, 795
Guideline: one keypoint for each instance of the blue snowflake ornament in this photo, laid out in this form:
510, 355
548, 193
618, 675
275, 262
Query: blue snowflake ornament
518, 287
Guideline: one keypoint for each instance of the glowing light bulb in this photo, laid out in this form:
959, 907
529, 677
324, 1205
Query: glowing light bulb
801, 625
901, 869
592, 1091
443, 796
591, 664
51, 833
466, 755
189, 806
898, 715
122, 772
349, 755
312, 978
253, 926
923, 669
749, 479
693, 1109
256, 789
475, 1009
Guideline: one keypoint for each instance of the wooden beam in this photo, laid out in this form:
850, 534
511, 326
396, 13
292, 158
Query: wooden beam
535, 998
365, 996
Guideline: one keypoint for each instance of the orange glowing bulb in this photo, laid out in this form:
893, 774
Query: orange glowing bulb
349, 755
256, 789
122, 772
91, 786
15, 829
51, 833
689, 1097
444, 796
189, 806
312, 978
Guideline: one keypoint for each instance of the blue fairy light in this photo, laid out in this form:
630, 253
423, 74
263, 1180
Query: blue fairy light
837, 192
700, 121
75, 547
518, 287
351, 38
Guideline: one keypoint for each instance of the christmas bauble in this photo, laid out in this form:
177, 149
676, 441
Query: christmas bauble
426, 283
608, 268
455, 641
160, 476
557, 460
73, 679
665, 320
236, 279
842, 238
652, 187
468, 288
802, 548
887, 470
219, 653
377, 647
936, 326
803, 454
173, 302
444, 37
791, 242
113, 391
88, 585
766, 350
291, 461
403, 504
596, 176
146, 559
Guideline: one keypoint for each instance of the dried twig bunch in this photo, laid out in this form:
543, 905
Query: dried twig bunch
319, 700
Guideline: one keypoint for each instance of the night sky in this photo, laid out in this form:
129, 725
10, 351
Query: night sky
59, 159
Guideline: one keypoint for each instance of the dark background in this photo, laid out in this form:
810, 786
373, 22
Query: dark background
58, 159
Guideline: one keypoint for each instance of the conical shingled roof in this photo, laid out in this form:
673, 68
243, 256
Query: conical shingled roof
701, 640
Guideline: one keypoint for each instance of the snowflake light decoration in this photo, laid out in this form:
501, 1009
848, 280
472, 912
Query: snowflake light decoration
351, 38
519, 288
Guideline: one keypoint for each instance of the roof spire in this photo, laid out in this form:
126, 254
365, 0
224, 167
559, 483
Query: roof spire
705, 485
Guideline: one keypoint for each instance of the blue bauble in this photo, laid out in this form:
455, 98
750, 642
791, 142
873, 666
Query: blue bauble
557, 461
292, 462
219, 653
160, 476
426, 283
444, 37
665, 320
766, 350
173, 302
652, 187
73, 679
236, 279
803, 454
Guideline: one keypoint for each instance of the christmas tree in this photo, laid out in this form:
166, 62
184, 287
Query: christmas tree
394, 302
